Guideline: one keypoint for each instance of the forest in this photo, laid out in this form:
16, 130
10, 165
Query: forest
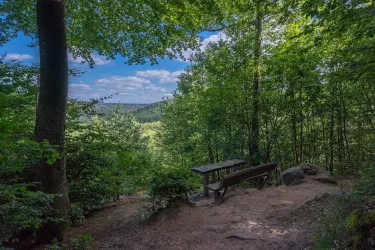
290, 81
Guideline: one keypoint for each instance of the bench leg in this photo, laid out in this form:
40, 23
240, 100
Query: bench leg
263, 181
234, 169
225, 190
205, 184
259, 183
217, 195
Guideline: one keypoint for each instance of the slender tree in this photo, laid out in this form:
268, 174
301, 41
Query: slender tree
255, 129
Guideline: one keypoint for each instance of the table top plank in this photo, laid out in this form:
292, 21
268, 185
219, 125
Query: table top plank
217, 166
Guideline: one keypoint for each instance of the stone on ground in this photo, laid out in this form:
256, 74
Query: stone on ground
292, 176
306, 171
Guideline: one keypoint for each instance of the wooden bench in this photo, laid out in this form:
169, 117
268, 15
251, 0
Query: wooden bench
207, 169
261, 173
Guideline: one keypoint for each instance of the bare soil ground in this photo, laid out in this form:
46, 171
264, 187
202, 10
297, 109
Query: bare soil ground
273, 218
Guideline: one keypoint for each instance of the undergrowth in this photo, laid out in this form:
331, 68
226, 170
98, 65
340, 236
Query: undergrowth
81, 242
169, 185
351, 222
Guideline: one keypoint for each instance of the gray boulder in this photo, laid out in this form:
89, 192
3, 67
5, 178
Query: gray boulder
306, 171
292, 176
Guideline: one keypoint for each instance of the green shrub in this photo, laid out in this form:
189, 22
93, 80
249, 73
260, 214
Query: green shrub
82, 242
77, 214
170, 184
365, 187
21, 209
332, 227
106, 157
97, 176
91, 177
351, 223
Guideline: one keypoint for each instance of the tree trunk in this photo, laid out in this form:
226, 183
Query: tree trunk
51, 111
331, 141
301, 118
255, 129
294, 127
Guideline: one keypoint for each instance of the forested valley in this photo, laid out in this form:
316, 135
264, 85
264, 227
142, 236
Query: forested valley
291, 82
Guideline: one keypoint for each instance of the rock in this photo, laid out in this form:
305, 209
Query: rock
292, 176
309, 169
237, 219
216, 228
322, 171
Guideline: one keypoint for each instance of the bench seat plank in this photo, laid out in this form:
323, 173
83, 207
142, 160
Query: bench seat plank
245, 174
264, 176
259, 172
216, 186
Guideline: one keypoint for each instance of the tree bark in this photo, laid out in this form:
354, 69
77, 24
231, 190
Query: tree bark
301, 118
51, 111
294, 126
255, 128
331, 139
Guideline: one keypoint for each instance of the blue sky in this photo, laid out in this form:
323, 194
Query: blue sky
127, 84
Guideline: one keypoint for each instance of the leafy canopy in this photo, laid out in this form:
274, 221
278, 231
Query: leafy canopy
135, 30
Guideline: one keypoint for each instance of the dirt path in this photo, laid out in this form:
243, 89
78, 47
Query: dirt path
272, 218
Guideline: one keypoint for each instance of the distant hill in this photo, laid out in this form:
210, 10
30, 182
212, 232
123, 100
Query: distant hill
149, 113
142, 112
107, 108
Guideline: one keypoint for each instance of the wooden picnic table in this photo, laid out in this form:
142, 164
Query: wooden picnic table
206, 169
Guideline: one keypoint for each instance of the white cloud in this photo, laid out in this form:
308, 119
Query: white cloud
155, 89
163, 76
122, 82
153, 74
99, 60
168, 96
79, 87
82, 91
20, 57
128, 94
221, 36
215, 39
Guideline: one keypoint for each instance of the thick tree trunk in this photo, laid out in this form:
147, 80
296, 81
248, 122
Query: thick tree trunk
51, 111
255, 128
